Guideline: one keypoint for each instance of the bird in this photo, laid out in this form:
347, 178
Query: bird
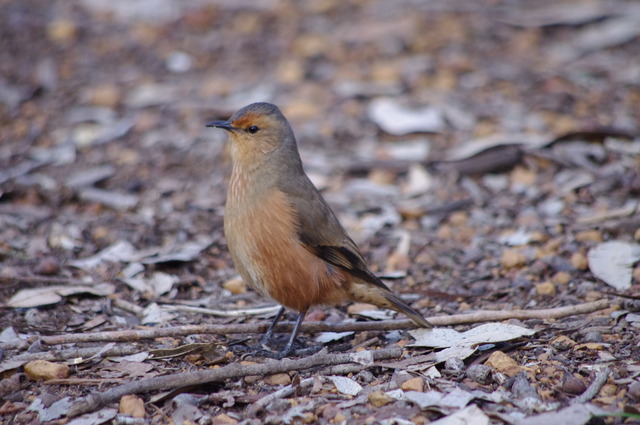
284, 239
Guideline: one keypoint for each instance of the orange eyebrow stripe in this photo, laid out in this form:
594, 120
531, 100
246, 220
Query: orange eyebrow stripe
246, 120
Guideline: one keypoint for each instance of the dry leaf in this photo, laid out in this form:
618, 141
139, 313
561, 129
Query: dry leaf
471, 415
325, 337
612, 262
397, 119
46, 295
487, 333
346, 385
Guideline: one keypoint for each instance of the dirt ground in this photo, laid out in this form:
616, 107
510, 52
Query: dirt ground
485, 156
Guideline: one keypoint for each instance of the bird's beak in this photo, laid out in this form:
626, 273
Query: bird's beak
222, 124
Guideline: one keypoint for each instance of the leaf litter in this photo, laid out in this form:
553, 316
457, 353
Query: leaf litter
466, 131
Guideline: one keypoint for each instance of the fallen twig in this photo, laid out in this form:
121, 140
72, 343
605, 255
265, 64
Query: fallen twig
271, 309
595, 387
84, 381
75, 353
232, 371
43, 280
83, 354
281, 393
386, 325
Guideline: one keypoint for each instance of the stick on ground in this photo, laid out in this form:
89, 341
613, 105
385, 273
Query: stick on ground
387, 325
232, 371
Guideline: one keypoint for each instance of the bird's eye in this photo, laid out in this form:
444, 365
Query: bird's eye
253, 129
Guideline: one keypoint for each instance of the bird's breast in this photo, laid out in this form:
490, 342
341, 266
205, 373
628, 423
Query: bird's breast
262, 235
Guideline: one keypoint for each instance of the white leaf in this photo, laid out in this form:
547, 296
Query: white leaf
457, 398
457, 351
414, 150
425, 399
432, 373
612, 262
346, 385
102, 416
10, 336
419, 181
154, 314
138, 357
396, 119
119, 251
185, 252
397, 394
471, 415
473, 147
159, 283
54, 411
487, 333
577, 414
517, 238
463, 344
46, 295
325, 337
377, 314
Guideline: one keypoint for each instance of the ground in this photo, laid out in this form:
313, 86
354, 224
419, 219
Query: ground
485, 157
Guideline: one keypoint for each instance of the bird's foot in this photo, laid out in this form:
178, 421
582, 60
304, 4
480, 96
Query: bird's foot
295, 350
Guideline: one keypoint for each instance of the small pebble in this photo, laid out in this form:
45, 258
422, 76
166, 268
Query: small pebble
561, 278
62, 31
132, 405
503, 363
482, 374
511, 258
339, 418
563, 343
47, 266
589, 236
634, 391
179, 62
413, 384
278, 379
573, 385
458, 218
399, 377
108, 95
379, 399
579, 261
9, 273
44, 370
521, 388
593, 336
545, 289
235, 286
455, 365
365, 377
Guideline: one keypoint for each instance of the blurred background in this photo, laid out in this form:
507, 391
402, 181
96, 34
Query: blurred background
484, 155
103, 106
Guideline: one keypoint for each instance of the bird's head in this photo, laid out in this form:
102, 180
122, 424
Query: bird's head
256, 131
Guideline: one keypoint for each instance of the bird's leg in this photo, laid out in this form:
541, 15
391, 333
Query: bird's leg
287, 348
267, 336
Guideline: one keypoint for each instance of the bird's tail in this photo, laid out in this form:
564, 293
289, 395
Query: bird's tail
400, 306
367, 293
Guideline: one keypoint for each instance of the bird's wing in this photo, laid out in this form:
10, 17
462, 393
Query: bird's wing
321, 233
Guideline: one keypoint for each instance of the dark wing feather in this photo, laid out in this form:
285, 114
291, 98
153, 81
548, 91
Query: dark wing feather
321, 232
